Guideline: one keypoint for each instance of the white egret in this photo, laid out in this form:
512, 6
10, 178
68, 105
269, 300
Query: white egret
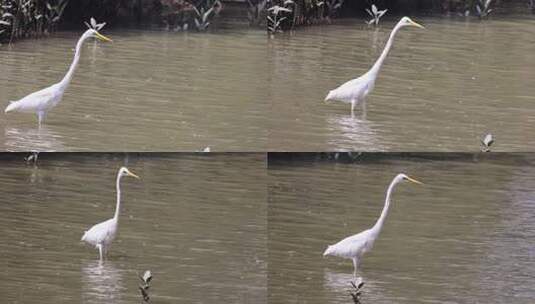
42, 101
101, 235
356, 90
353, 247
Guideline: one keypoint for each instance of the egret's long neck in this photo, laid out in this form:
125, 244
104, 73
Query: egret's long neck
118, 189
379, 224
377, 66
67, 78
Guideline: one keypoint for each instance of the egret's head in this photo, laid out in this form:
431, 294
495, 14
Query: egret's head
93, 33
404, 177
125, 172
406, 21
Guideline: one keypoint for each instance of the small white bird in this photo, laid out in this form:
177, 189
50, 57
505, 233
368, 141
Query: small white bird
42, 101
101, 235
356, 90
354, 247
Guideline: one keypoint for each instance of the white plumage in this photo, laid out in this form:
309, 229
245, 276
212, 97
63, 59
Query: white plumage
354, 247
102, 235
42, 101
356, 90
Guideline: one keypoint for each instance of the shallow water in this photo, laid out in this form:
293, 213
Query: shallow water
146, 91
466, 236
440, 89
198, 222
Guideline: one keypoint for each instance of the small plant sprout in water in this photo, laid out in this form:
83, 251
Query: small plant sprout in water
255, 11
201, 21
333, 6
356, 291
145, 285
483, 8
487, 142
376, 14
32, 158
94, 25
274, 21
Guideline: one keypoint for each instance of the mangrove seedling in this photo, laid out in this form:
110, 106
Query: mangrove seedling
201, 21
274, 22
55, 11
94, 25
333, 6
487, 142
356, 291
32, 158
255, 11
483, 8
145, 285
375, 14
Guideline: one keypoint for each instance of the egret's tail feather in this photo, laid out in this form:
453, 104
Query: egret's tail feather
11, 107
328, 251
329, 96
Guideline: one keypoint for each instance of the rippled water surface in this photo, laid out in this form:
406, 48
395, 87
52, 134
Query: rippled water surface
440, 89
198, 222
466, 236
146, 91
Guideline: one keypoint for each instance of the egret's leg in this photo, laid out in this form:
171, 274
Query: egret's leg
99, 246
355, 266
353, 102
41, 116
363, 108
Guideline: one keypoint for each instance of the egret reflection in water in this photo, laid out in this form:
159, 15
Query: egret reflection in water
102, 282
353, 132
33, 139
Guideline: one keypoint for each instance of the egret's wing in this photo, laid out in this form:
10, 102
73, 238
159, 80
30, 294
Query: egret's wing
98, 232
36, 100
351, 246
353, 89
355, 86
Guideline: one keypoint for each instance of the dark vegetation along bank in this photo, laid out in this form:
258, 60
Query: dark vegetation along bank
286, 14
34, 18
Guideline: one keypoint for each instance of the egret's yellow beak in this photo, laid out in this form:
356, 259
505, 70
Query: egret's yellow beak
132, 174
417, 24
414, 181
102, 37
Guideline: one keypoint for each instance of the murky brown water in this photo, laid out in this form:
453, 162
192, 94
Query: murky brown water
440, 89
146, 91
197, 221
466, 236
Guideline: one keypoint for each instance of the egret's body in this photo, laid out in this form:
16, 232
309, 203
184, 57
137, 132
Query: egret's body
354, 247
356, 90
102, 235
44, 100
